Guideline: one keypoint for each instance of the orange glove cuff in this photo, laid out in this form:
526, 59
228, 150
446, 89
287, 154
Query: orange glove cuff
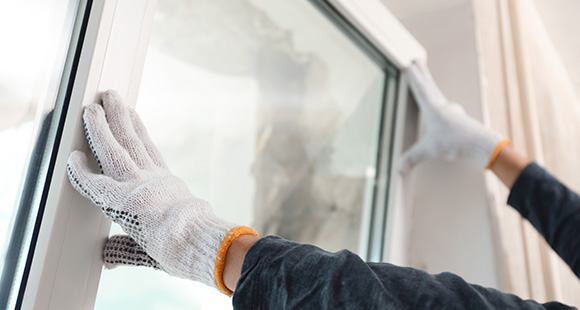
495, 152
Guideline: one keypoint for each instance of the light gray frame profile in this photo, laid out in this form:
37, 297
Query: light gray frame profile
373, 221
65, 269
369, 24
32, 199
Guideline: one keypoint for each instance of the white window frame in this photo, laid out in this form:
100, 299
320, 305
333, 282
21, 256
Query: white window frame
374, 20
67, 263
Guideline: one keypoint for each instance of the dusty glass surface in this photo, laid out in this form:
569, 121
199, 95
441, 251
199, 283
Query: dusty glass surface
267, 111
35, 36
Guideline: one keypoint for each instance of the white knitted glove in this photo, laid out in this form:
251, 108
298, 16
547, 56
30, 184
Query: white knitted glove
451, 133
123, 250
138, 192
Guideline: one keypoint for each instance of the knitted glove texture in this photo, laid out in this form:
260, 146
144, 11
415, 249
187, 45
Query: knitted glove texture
137, 191
122, 250
451, 133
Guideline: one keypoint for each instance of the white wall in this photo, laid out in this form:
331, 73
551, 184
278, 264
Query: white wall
560, 17
450, 223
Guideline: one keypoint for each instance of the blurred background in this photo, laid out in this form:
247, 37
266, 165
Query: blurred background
267, 110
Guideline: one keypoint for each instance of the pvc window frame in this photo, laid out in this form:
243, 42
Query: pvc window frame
65, 270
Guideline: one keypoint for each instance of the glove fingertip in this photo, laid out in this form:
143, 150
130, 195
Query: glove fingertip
83, 180
418, 153
75, 156
76, 162
405, 165
110, 95
123, 250
92, 111
110, 251
109, 265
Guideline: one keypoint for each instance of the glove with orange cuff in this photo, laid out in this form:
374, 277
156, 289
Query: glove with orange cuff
168, 227
451, 133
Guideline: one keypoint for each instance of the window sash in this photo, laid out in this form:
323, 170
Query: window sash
67, 264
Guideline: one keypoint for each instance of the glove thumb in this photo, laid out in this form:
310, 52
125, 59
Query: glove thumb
418, 153
123, 250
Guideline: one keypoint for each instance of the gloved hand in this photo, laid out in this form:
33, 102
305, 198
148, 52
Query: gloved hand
137, 191
122, 250
451, 133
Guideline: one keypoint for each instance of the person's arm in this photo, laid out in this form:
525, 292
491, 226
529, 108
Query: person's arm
235, 258
281, 274
508, 165
552, 208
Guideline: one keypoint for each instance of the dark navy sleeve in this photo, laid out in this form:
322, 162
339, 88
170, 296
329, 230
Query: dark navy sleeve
552, 208
280, 274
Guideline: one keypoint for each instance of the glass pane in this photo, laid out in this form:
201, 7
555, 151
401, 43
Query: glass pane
267, 110
35, 36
